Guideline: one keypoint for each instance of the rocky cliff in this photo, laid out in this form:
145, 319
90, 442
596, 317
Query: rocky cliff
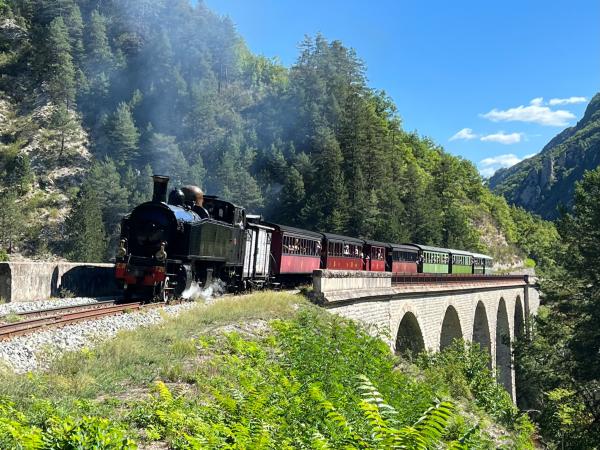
57, 155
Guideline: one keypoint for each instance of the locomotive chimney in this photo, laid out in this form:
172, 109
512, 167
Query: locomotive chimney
160, 188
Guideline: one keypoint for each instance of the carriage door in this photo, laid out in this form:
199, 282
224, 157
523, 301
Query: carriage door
263, 253
249, 247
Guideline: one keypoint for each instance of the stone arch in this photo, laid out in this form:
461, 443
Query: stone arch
451, 328
481, 331
519, 319
503, 354
409, 340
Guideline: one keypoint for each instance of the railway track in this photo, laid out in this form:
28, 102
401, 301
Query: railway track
32, 321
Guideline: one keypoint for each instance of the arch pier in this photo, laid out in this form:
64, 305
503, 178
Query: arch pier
429, 313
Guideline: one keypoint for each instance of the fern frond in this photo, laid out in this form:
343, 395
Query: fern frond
435, 420
163, 391
336, 418
371, 395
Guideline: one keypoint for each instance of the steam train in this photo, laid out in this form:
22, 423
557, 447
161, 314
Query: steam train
167, 246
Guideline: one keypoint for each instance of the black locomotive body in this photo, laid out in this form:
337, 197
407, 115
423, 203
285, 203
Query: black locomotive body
166, 247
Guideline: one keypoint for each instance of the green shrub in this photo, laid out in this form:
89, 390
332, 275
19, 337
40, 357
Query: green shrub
464, 368
17, 432
529, 263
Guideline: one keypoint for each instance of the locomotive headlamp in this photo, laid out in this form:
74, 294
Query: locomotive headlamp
161, 254
121, 251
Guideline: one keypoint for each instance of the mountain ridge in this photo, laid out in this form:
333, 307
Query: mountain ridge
544, 182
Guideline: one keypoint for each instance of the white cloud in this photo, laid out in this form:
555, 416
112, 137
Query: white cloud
503, 138
567, 101
537, 101
488, 166
465, 133
505, 160
487, 172
534, 112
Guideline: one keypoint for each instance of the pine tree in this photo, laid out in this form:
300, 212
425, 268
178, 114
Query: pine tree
581, 232
63, 122
196, 173
138, 185
74, 24
60, 72
276, 164
86, 238
166, 158
11, 221
18, 173
233, 181
123, 137
329, 202
104, 183
47, 11
99, 58
293, 199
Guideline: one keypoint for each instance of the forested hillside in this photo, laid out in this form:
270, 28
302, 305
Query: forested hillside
541, 183
96, 95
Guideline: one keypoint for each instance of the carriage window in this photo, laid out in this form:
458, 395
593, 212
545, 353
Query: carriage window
286, 244
377, 253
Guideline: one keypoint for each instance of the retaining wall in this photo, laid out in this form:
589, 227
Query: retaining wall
29, 281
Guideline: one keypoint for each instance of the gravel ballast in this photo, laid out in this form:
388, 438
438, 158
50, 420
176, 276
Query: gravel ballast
16, 308
36, 351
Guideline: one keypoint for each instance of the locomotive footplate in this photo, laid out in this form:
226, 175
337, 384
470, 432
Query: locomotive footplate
141, 271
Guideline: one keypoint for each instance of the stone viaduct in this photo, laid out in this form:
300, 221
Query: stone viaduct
423, 311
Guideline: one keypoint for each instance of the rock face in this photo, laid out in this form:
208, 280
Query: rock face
58, 162
541, 183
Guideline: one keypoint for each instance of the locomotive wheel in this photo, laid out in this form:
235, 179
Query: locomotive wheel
163, 296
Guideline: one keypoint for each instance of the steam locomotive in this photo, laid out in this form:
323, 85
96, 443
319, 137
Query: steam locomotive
167, 246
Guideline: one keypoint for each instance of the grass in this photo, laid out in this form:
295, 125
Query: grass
12, 318
136, 358
255, 371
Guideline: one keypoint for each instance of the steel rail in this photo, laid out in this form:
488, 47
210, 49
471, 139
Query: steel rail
39, 313
10, 330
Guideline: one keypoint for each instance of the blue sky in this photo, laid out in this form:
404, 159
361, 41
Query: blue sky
490, 81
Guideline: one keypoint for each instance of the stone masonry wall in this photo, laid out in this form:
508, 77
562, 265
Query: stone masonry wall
29, 281
503, 306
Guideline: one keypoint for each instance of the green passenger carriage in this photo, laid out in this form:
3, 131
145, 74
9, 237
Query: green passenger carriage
461, 262
433, 259
482, 264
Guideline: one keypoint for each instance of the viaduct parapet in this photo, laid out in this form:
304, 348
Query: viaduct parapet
424, 311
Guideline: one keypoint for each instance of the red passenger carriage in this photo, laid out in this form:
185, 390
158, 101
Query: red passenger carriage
402, 258
375, 253
295, 251
342, 252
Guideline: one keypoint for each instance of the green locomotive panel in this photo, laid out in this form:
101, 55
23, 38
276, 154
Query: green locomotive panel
213, 241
